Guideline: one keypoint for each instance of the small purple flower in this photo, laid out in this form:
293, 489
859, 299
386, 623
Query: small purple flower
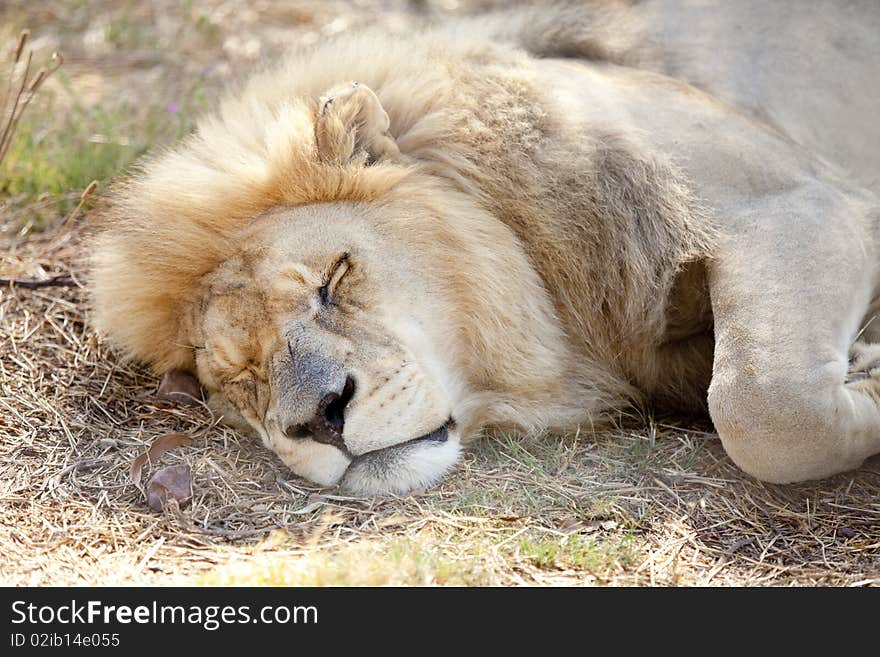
172, 107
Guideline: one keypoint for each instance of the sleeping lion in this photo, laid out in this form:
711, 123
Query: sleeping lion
529, 219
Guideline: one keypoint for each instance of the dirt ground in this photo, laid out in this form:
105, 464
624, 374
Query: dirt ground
654, 502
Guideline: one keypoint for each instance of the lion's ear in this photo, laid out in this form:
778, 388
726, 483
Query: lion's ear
352, 127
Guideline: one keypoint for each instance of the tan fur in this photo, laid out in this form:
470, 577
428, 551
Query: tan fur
533, 242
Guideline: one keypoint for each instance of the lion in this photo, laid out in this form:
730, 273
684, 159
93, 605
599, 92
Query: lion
532, 219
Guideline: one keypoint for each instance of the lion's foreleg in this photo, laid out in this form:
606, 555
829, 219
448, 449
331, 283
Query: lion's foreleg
789, 293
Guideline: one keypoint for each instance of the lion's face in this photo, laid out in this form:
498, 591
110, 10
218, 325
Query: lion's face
316, 333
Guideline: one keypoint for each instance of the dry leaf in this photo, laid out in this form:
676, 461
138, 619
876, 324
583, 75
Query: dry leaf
161, 445
173, 482
178, 388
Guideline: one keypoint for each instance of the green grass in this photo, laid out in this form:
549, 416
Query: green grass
398, 561
578, 552
123, 32
426, 559
61, 144
54, 159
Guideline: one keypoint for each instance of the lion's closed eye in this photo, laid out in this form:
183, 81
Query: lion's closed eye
327, 291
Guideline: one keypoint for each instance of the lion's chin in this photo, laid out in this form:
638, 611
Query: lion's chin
393, 470
402, 468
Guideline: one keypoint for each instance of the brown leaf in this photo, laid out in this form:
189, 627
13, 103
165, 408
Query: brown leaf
161, 445
178, 388
173, 482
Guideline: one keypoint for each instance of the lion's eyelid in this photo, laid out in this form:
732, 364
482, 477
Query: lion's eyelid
337, 272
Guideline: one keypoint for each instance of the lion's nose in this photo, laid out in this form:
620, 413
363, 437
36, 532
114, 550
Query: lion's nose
329, 421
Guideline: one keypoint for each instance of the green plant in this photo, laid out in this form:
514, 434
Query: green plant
21, 89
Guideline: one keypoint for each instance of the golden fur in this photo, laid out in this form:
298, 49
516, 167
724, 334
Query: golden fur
556, 258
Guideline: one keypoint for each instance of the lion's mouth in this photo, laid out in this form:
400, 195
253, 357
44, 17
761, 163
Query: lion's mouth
438, 435
394, 469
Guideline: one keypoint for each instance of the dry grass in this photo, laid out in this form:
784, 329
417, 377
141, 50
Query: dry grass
650, 504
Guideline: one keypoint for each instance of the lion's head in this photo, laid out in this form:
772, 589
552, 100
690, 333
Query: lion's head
326, 345
361, 313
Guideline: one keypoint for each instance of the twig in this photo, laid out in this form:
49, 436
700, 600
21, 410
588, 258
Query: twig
26, 91
32, 87
12, 121
62, 280
22, 40
87, 192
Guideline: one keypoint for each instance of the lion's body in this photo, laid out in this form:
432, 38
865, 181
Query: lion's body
602, 231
